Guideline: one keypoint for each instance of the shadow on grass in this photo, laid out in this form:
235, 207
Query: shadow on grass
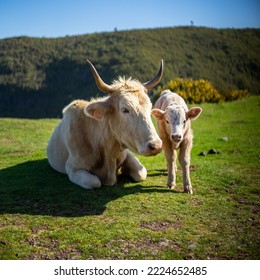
34, 188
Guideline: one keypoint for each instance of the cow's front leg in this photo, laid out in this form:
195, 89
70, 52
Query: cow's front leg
184, 159
110, 178
82, 177
170, 155
132, 167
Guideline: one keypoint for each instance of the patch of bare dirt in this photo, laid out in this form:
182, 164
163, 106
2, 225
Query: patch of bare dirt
146, 247
254, 208
49, 249
161, 226
194, 167
39, 228
195, 202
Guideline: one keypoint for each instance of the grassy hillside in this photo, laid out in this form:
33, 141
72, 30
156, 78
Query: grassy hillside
39, 76
44, 216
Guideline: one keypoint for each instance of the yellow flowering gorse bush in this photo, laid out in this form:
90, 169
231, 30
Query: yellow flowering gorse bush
198, 91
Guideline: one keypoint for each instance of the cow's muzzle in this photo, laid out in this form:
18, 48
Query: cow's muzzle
153, 148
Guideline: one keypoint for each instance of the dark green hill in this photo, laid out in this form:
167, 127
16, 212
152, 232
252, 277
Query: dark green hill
39, 76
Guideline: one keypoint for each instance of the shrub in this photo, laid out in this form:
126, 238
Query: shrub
234, 94
198, 91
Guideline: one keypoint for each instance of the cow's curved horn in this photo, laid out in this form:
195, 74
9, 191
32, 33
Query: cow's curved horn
100, 84
155, 81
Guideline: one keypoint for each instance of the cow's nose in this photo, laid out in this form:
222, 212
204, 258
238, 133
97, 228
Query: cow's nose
154, 147
176, 137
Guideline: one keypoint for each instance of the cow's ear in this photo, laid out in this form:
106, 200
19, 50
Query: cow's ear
96, 110
193, 113
158, 114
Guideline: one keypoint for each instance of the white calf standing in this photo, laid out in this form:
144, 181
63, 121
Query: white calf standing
174, 128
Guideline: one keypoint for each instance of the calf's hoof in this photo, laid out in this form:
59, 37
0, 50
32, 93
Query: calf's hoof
190, 191
171, 186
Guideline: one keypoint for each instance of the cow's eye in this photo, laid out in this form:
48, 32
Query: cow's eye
184, 122
167, 121
125, 110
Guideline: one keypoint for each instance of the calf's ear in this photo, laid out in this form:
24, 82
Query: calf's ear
158, 114
193, 113
96, 110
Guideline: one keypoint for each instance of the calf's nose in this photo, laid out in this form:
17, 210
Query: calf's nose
176, 137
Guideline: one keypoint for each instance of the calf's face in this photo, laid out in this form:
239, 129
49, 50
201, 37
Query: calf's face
176, 120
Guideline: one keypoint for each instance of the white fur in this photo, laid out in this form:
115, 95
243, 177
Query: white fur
91, 142
174, 127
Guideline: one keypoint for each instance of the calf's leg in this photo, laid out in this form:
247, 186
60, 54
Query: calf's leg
184, 159
170, 155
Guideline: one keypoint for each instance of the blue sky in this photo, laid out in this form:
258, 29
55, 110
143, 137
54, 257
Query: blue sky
58, 18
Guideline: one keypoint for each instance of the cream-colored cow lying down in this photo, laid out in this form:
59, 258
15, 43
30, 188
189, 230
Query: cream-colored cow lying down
174, 127
92, 140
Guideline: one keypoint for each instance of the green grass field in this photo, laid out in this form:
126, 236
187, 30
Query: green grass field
44, 216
